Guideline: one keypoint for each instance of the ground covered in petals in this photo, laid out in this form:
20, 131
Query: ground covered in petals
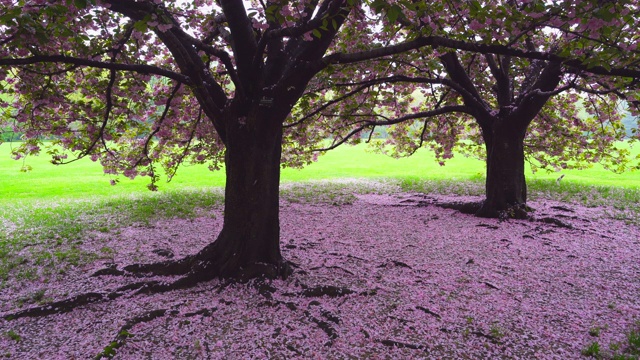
388, 276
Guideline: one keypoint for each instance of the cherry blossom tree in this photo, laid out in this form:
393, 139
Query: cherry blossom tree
138, 83
133, 83
552, 92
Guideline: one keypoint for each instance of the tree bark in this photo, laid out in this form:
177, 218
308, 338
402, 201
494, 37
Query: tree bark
249, 243
506, 188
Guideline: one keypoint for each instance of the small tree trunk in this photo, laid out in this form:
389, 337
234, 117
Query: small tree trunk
506, 188
249, 243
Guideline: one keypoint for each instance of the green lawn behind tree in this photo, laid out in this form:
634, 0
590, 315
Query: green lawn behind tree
85, 178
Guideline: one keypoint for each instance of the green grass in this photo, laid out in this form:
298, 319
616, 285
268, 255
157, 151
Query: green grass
85, 178
47, 235
626, 350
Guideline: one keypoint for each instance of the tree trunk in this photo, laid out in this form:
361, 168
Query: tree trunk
249, 244
506, 188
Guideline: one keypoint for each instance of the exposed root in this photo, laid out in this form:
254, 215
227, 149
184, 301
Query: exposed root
326, 290
470, 208
208, 263
111, 270
491, 338
399, 344
261, 270
333, 267
563, 208
491, 285
436, 315
324, 326
264, 289
556, 222
123, 334
480, 209
206, 312
145, 287
492, 227
517, 211
395, 263
163, 268
67, 305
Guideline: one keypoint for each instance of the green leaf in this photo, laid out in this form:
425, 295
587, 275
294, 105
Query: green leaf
475, 7
379, 5
394, 13
316, 33
325, 22
140, 25
271, 9
80, 4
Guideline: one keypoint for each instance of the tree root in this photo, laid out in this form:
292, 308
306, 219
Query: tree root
333, 267
556, 222
399, 344
145, 287
519, 211
266, 290
324, 326
436, 315
492, 227
123, 334
203, 265
161, 268
67, 305
491, 338
563, 208
395, 263
326, 290
470, 208
490, 285
515, 211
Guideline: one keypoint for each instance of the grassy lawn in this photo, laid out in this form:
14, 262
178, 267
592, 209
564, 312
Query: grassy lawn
85, 178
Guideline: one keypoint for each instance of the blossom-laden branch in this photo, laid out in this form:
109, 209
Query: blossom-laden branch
363, 124
64, 59
497, 49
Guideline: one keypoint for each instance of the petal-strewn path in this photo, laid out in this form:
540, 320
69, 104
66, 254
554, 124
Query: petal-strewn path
387, 276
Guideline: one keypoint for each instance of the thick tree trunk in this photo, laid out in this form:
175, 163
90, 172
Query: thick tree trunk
249, 243
506, 188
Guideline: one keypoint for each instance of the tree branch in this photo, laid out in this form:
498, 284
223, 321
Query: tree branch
138, 68
498, 49
243, 39
418, 115
460, 77
503, 85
